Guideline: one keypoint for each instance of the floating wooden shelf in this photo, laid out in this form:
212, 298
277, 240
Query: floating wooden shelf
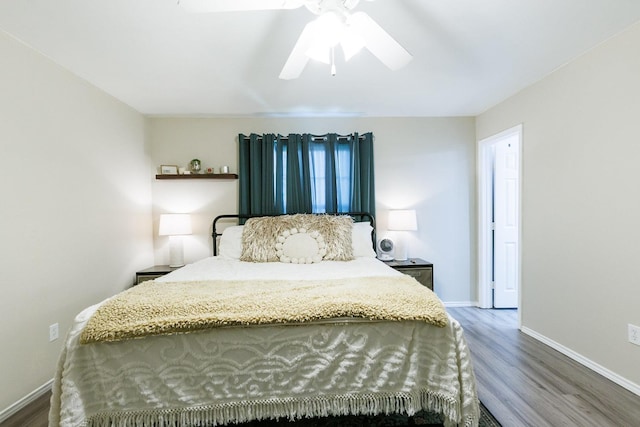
200, 176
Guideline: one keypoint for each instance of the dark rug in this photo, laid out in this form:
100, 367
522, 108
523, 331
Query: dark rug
425, 419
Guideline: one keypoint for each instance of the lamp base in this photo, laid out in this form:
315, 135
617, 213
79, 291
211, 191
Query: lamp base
400, 250
176, 251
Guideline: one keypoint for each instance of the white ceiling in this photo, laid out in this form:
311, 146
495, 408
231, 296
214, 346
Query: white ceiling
161, 60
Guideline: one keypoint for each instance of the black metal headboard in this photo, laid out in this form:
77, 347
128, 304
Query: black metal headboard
357, 216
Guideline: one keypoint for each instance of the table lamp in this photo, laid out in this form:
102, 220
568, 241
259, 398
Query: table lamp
402, 220
175, 226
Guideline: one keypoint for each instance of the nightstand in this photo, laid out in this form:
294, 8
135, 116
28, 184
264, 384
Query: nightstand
152, 273
420, 269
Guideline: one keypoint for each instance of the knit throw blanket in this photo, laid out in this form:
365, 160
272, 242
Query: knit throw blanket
157, 308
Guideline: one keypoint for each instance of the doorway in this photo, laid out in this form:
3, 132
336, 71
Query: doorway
499, 181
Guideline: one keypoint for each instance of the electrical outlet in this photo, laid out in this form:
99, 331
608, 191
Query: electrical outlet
634, 334
53, 332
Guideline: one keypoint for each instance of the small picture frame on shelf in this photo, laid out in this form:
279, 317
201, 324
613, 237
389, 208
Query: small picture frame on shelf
169, 170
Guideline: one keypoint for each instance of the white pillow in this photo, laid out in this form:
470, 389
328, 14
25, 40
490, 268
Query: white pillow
296, 246
231, 242
361, 240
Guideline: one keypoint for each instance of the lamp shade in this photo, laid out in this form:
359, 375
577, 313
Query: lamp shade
403, 220
174, 224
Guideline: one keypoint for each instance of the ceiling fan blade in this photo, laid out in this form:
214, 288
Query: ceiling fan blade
204, 6
298, 57
379, 42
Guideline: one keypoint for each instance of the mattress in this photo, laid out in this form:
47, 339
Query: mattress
234, 374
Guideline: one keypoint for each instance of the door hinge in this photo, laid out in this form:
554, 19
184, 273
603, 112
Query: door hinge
493, 226
493, 285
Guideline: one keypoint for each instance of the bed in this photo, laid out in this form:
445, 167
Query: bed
352, 337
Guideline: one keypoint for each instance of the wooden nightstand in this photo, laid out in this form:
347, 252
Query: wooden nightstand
420, 269
152, 273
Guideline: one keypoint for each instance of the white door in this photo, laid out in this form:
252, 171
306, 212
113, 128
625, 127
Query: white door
506, 217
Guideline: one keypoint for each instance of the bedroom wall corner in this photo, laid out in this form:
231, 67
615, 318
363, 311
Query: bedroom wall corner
428, 164
176, 141
76, 211
579, 207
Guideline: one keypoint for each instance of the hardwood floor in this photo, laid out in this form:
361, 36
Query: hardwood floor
521, 381
526, 383
36, 414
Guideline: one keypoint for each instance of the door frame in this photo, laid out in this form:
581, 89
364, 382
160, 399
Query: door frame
485, 210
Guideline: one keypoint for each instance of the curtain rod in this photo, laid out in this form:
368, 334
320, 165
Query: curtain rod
321, 137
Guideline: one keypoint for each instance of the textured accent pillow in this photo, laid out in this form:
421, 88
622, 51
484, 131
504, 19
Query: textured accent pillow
260, 235
299, 247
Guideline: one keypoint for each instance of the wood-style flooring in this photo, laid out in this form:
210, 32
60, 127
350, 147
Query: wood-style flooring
526, 383
520, 380
36, 414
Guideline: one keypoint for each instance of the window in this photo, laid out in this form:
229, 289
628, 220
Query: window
318, 176
306, 173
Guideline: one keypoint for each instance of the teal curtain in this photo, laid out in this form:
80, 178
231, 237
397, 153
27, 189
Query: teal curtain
363, 191
303, 173
259, 174
298, 176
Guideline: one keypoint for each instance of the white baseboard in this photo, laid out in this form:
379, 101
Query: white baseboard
621, 381
29, 398
460, 304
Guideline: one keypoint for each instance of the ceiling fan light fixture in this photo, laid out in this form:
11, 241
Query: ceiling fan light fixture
329, 30
329, 27
326, 32
334, 25
351, 43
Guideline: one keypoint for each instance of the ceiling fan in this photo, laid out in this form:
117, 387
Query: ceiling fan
335, 25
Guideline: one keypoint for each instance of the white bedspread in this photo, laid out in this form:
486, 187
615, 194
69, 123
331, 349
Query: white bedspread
218, 268
288, 371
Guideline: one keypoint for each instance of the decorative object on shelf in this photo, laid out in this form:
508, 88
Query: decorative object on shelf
169, 170
189, 175
211, 170
175, 226
195, 165
385, 249
224, 169
402, 220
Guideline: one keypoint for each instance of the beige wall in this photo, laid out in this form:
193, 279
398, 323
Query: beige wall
75, 209
422, 163
580, 282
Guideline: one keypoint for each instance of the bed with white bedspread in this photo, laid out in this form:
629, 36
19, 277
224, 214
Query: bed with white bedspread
233, 373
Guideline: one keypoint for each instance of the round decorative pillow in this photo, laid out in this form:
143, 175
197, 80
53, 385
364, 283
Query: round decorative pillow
297, 246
